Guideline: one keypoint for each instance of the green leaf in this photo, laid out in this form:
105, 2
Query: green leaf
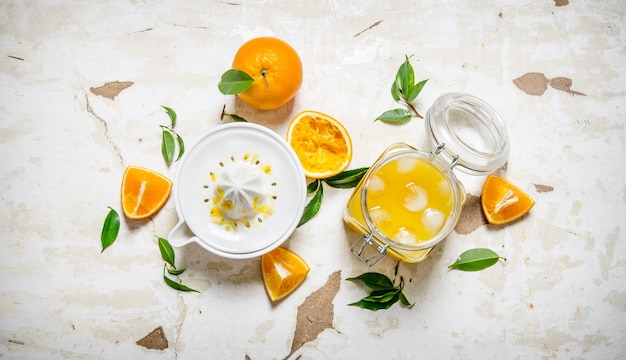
175, 271
110, 229
167, 252
415, 90
233, 117
237, 118
475, 260
404, 301
168, 146
234, 82
313, 186
405, 78
172, 115
312, 207
382, 295
395, 93
376, 305
374, 281
177, 286
395, 116
404, 90
346, 179
181, 146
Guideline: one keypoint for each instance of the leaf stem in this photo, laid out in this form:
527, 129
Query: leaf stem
264, 74
413, 109
223, 112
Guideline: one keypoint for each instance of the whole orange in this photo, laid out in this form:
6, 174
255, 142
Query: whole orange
276, 69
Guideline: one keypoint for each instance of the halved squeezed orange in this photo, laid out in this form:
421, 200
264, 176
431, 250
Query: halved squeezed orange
322, 144
283, 271
503, 202
144, 192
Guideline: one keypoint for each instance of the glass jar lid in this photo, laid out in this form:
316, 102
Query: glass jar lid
469, 133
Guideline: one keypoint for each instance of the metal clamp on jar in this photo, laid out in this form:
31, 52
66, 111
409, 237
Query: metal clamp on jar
410, 200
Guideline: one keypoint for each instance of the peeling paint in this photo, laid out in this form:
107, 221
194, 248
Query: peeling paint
535, 83
111, 89
543, 188
532, 83
155, 340
472, 216
316, 314
564, 84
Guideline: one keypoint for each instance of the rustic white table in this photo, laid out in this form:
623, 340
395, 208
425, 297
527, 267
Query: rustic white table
554, 70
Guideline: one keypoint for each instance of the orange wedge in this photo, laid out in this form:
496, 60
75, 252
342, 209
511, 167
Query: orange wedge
322, 144
144, 192
504, 202
283, 271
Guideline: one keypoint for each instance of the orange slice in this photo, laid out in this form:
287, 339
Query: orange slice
504, 202
322, 144
144, 192
283, 271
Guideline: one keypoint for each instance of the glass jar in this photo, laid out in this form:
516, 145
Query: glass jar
410, 200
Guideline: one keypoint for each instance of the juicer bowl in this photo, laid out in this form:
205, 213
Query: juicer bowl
238, 164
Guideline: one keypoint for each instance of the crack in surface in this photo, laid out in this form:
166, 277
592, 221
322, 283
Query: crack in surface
368, 28
141, 31
179, 327
192, 26
106, 129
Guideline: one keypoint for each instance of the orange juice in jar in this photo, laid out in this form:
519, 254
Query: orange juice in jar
410, 200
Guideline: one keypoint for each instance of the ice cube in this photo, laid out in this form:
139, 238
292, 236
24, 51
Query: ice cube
405, 236
406, 164
376, 186
379, 216
444, 188
432, 220
414, 198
